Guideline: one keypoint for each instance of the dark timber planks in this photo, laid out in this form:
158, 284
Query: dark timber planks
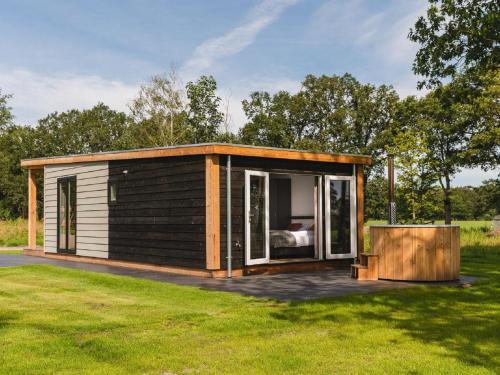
159, 216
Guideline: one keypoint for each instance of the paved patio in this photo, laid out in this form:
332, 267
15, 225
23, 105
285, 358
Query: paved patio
285, 286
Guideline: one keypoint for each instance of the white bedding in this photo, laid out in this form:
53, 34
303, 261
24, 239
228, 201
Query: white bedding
304, 237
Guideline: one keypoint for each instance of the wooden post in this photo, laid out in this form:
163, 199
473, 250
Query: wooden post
360, 208
32, 209
212, 211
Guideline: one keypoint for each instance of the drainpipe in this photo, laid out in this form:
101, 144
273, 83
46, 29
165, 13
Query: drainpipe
228, 214
392, 201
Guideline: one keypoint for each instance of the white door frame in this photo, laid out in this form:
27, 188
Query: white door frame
318, 223
248, 259
353, 221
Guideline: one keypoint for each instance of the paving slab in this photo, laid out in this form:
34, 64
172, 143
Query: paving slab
288, 286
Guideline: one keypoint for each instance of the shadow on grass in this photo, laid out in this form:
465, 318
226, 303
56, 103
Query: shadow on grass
479, 251
7, 318
464, 321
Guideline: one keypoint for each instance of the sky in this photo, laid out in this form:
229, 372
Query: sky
57, 55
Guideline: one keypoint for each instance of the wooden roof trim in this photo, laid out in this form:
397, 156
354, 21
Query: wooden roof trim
291, 154
203, 149
119, 155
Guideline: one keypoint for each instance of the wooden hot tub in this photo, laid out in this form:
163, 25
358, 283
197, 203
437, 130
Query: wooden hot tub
416, 252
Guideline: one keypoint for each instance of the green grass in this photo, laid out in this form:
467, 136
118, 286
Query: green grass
55, 320
15, 233
11, 251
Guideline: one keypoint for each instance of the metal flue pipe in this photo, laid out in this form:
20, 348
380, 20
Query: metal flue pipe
392, 200
228, 213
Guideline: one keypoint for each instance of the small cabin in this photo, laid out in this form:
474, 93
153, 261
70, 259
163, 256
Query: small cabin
212, 210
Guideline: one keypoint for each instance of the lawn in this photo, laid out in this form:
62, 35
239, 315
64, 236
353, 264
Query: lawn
70, 321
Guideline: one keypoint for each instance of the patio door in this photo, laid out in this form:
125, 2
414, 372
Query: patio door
340, 217
256, 217
66, 215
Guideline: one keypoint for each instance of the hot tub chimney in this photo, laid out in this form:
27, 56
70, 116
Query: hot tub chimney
392, 202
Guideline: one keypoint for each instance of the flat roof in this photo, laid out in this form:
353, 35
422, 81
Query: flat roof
200, 149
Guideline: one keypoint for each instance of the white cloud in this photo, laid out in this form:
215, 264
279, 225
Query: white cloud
395, 47
380, 38
236, 39
383, 33
36, 95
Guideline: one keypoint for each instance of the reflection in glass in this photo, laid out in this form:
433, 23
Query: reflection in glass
257, 217
340, 218
72, 214
62, 215
66, 214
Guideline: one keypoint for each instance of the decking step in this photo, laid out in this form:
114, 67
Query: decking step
365, 272
369, 255
359, 266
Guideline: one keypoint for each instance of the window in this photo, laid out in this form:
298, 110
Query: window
66, 215
112, 192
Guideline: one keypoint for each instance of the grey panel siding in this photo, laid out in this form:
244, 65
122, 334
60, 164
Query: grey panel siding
91, 207
159, 216
239, 164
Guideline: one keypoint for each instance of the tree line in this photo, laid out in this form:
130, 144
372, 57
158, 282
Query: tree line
454, 126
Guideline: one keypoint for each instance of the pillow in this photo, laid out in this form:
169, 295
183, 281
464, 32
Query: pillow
294, 227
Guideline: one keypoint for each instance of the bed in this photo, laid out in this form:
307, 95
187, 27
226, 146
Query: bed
297, 241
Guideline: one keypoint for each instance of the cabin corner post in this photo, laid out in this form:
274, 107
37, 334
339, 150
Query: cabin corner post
32, 216
360, 209
212, 211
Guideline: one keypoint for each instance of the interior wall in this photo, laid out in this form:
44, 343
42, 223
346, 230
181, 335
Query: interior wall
302, 195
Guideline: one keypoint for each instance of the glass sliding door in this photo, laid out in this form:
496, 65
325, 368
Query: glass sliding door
256, 217
340, 217
66, 215
62, 223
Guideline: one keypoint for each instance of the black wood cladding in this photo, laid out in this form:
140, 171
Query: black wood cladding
159, 215
238, 166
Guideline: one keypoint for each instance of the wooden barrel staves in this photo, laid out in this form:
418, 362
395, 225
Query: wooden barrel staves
417, 252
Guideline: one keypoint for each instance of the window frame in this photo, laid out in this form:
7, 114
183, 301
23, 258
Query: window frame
353, 225
66, 250
110, 184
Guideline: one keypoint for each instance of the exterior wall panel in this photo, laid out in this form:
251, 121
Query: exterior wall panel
159, 215
91, 211
238, 166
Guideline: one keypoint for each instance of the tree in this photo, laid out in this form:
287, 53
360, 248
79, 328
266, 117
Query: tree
6, 116
457, 37
333, 114
463, 203
487, 201
76, 132
376, 199
461, 128
271, 120
416, 178
203, 116
158, 113
16, 143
